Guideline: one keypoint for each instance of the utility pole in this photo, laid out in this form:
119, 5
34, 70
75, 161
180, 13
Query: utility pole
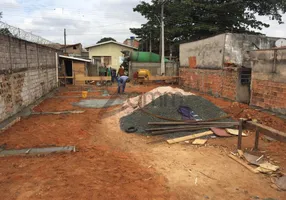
65, 40
150, 46
162, 39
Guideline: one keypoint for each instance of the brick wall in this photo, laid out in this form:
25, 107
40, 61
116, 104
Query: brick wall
220, 83
269, 95
27, 72
268, 84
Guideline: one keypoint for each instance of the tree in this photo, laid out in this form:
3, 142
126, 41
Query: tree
189, 20
106, 39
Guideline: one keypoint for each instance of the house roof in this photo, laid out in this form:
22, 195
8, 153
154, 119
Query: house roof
73, 58
69, 45
113, 42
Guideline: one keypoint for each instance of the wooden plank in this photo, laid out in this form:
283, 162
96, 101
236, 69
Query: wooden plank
200, 142
67, 77
243, 164
239, 143
190, 137
266, 130
93, 78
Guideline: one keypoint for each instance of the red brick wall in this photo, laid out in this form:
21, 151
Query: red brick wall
229, 84
269, 95
220, 83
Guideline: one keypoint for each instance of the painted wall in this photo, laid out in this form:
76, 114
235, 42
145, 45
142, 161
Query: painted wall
268, 88
27, 72
229, 48
208, 52
237, 47
112, 50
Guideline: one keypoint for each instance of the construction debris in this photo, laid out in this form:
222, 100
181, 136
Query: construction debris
200, 142
235, 132
281, 183
243, 164
221, 132
190, 137
267, 167
240, 153
35, 151
255, 160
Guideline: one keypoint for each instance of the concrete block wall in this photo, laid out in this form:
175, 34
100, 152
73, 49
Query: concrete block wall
27, 72
220, 83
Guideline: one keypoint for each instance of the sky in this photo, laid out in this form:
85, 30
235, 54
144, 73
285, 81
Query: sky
86, 21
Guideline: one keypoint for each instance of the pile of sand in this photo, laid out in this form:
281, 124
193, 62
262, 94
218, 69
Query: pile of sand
132, 104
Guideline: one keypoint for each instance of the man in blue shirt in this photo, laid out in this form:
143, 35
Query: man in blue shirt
122, 83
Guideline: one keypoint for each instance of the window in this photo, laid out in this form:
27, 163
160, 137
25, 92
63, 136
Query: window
245, 76
74, 47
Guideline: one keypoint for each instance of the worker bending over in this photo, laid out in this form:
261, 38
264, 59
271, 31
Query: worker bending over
122, 83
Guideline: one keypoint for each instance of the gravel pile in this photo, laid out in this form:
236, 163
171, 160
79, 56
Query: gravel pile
167, 106
131, 104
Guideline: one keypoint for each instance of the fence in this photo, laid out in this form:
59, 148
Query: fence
6, 29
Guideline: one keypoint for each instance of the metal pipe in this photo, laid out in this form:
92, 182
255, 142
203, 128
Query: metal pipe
190, 123
189, 126
185, 129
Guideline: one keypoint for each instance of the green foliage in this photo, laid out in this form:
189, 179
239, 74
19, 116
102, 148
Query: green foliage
106, 39
189, 20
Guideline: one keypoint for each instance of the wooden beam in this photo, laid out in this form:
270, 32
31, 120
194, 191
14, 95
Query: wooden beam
93, 78
266, 130
243, 164
239, 143
190, 137
67, 77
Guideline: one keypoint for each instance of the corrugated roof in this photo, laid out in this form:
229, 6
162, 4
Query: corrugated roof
73, 58
111, 41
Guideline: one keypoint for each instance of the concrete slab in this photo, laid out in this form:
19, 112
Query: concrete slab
99, 103
59, 113
35, 151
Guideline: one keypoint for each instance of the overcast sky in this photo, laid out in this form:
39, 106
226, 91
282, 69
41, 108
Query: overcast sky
86, 21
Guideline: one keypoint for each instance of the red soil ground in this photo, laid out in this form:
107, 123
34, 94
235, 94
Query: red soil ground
110, 164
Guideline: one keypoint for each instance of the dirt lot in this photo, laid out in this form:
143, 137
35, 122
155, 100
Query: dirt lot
110, 164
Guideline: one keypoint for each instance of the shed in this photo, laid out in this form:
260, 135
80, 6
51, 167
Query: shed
72, 67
